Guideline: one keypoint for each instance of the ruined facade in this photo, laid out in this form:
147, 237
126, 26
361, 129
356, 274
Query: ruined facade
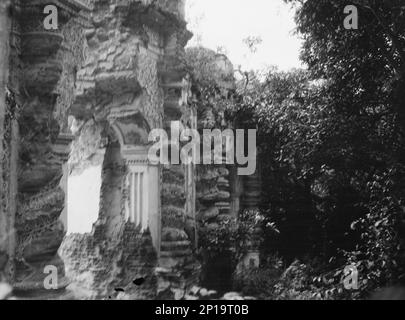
85, 97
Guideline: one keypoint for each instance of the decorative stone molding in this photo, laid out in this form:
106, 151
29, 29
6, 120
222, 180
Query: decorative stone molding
47, 61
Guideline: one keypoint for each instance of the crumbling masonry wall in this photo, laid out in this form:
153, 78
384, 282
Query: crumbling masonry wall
114, 69
132, 71
222, 195
37, 81
48, 63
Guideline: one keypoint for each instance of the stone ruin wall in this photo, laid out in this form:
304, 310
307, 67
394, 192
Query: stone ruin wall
48, 61
132, 68
121, 56
109, 61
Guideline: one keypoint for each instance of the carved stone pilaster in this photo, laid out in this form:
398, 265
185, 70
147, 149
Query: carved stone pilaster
48, 60
178, 267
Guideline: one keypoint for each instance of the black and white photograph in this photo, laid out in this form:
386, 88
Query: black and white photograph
202, 156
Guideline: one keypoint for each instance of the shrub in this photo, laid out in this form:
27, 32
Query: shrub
259, 282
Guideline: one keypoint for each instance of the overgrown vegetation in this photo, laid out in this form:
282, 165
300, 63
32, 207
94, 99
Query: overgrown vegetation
332, 154
230, 234
332, 150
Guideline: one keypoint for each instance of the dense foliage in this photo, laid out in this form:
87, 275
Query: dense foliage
332, 155
332, 150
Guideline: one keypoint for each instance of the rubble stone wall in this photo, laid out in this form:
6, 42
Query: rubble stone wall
132, 69
46, 82
111, 72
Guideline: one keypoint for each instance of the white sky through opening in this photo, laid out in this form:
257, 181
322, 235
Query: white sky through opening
225, 23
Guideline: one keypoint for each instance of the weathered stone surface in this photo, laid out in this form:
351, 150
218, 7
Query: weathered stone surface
91, 81
123, 59
98, 266
3, 260
44, 247
45, 68
172, 234
208, 214
133, 51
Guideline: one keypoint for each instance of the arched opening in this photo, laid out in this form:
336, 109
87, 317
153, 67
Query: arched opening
142, 179
113, 213
83, 195
82, 177
107, 170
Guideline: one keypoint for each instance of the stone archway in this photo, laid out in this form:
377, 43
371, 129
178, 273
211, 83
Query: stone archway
141, 183
123, 244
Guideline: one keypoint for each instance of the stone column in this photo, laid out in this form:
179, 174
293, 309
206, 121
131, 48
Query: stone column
49, 59
178, 266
